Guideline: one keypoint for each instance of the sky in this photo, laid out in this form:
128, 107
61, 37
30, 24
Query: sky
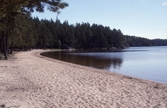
143, 18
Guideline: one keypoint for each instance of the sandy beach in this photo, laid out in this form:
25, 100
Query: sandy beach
28, 80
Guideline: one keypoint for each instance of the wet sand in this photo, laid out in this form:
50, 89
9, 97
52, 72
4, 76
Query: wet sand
28, 80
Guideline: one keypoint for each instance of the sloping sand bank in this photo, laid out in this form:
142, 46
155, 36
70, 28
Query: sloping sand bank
28, 80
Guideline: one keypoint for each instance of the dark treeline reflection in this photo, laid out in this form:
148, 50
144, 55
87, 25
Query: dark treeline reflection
96, 60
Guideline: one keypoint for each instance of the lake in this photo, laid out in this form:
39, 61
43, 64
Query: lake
142, 62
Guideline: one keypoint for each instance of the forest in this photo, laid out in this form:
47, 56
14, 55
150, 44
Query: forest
32, 33
35, 33
134, 41
22, 32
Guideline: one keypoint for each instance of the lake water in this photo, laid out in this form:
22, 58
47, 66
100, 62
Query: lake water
142, 62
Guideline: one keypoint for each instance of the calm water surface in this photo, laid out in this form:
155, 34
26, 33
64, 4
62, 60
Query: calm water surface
142, 62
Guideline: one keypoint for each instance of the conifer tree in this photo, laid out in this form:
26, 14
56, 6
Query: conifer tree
10, 9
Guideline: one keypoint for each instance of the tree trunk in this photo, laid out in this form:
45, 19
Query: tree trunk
7, 46
4, 39
11, 47
1, 45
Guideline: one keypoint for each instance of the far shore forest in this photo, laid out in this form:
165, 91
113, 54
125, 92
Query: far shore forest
22, 32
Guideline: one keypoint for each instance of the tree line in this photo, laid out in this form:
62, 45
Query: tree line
31, 33
44, 34
140, 41
34, 33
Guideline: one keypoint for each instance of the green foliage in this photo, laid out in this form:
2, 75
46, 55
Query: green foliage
34, 33
10, 12
49, 34
14, 7
139, 41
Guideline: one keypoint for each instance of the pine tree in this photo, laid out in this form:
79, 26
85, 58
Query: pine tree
10, 9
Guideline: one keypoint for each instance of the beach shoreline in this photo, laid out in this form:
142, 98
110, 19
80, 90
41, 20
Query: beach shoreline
29, 80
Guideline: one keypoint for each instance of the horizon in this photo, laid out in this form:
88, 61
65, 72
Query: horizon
141, 18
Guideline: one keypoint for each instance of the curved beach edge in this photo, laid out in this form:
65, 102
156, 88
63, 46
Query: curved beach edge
38, 54
29, 80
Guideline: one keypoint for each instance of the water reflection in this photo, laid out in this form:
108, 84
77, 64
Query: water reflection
101, 60
142, 62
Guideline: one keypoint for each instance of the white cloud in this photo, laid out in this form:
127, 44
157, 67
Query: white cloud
164, 4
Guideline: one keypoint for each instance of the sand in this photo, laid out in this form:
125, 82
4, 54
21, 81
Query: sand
28, 80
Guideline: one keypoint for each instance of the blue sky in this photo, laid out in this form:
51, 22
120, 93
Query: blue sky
144, 18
